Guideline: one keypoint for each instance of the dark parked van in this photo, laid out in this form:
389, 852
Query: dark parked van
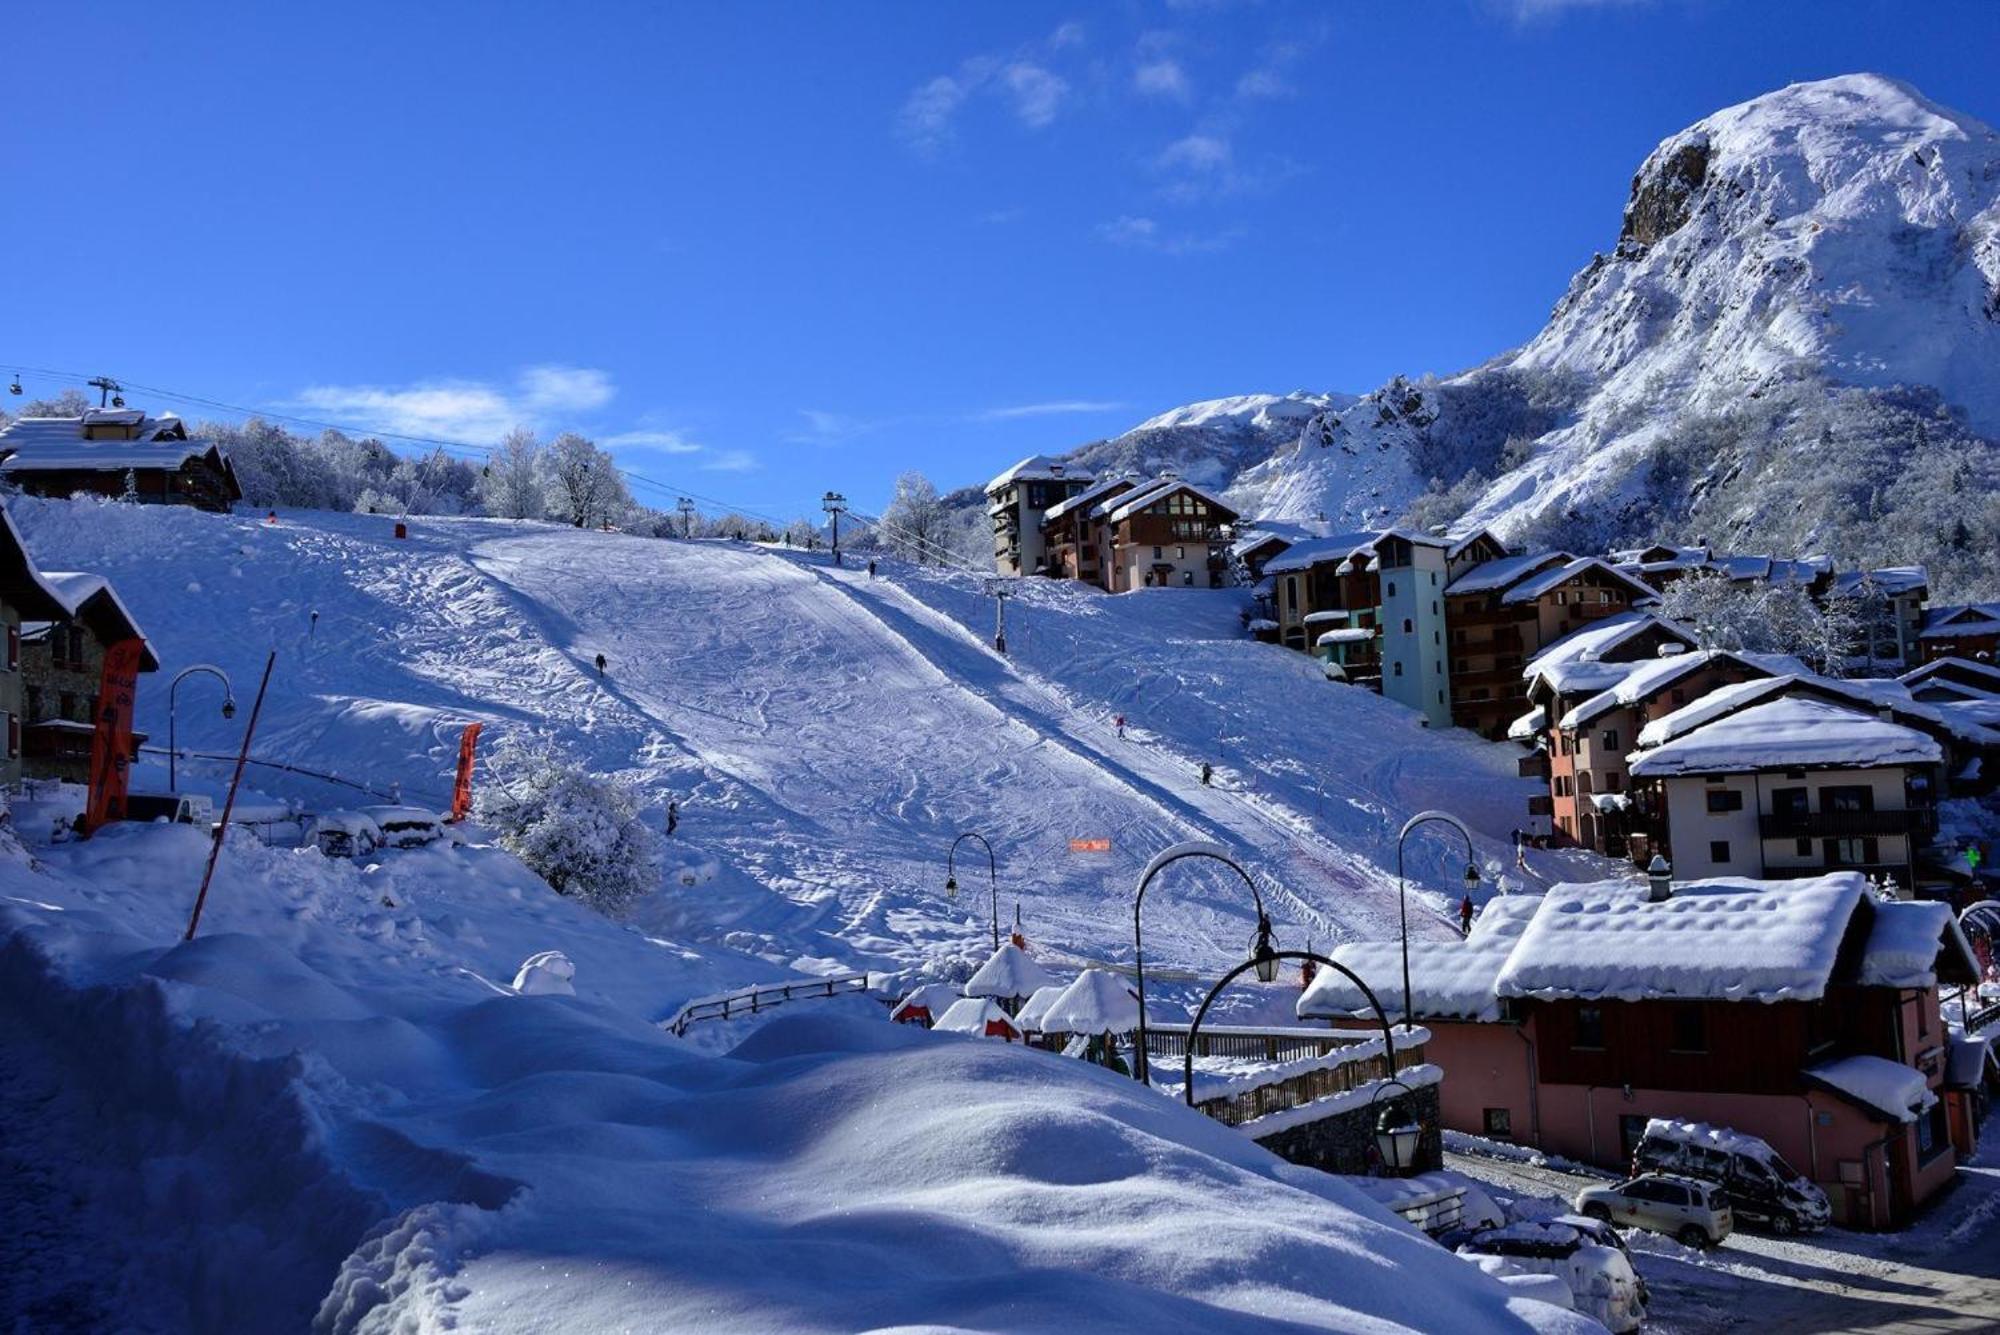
1762, 1188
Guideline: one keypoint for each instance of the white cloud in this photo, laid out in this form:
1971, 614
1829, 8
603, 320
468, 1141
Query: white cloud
927, 116
1053, 408
1066, 35
664, 440
1527, 11
1141, 233
732, 461
1198, 153
473, 410
1263, 83
1037, 93
829, 428
1163, 77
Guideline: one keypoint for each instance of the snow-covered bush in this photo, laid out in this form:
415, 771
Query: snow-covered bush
579, 831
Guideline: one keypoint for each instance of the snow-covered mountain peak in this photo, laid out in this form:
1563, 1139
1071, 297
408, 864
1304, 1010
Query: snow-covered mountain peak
1253, 410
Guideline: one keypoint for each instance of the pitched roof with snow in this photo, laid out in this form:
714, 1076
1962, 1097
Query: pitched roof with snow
1090, 495
1723, 940
1650, 676
977, 1015
24, 588
1498, 574
1789, 733
1890, 581
91, 599
1039, 468
1980, 676
1098, 1002
1133, 502
1907, 942
1319, 551
1603, 636
933, 999
1451, 980
33, 444
1960, 619
1535, 586
1010, 973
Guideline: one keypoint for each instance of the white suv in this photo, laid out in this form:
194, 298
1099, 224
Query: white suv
1694, 1212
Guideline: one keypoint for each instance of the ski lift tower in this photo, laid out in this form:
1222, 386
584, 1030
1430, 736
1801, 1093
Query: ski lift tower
998, 590
835, 506
686, 508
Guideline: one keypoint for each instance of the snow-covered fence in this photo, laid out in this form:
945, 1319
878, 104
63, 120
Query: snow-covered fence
1983, 1018
749, 1000
1256, 1043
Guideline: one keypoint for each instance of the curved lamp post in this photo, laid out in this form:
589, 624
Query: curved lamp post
173, 691
1262, 957
1381, 1016
992, 874
1402, 897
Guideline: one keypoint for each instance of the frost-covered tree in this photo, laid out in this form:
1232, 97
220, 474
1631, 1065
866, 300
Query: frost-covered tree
580, 832
512, 484
917, 523
1762, 617
582, 484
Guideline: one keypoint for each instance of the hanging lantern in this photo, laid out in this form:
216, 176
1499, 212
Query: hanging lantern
1472, 876
951, 887
1263, 955
1396, 1137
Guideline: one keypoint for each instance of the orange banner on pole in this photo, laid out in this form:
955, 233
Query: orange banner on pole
111, 742
1090, 845
461, 792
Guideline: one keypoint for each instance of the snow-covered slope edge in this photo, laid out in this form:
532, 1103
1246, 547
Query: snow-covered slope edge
213, 1126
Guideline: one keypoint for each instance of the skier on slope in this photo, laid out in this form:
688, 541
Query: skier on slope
673, 814
1121, 727
1207, 773
871, 567
600, 665
1465, 916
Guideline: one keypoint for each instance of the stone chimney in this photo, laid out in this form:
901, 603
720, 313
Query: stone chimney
1659, 880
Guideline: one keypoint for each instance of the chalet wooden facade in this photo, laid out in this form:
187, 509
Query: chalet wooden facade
120, 453
1970, 631
26, 598
62, 670
1123, 534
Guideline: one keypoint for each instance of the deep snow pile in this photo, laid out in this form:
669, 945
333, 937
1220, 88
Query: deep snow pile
827, 736
328, 1109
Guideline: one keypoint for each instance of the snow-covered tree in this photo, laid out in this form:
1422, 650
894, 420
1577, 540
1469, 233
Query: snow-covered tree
917, 525
580, 832
1762, 617
512, 484
582, 484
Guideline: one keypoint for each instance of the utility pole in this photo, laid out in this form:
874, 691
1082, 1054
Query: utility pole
106, 388
1001, 593
835, 505
686, 507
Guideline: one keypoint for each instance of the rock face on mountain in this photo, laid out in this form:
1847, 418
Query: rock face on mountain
1794, 343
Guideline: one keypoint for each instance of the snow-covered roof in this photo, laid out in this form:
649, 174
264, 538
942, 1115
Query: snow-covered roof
1661, 556
1535, 586
1461, 541
934, 999
1010, 973
1319, 551
1451, 980
1529, 725
1981, 676
1905, 941
1328, 615
1040, 468
1645, 678
85, 596
1961, 619
1890, 581
976, 1015
1898, 1092
26, 589
1098, 1002
1029, 1017
1090, 495
1722, 940
1346, 635
32, 443
1792, 732
1132, 502
1600, 638
1498, 574
1578, 676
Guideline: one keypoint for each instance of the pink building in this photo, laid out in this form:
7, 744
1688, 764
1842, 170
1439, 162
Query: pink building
1804, 1012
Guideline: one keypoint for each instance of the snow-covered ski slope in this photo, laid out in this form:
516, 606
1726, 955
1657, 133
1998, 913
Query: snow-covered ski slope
827, 735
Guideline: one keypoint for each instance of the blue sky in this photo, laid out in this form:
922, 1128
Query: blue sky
761, 250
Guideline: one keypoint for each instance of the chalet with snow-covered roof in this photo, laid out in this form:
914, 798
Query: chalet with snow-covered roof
1966, 630
1504, 611
62, 673
1948, 680
1802, 1012
1586, 714
26, 598
1167, 533
1076, 540
118, 452
1015, 503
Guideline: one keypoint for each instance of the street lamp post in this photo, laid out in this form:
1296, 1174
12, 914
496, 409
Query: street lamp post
1402, 895
992, 874
1263, 956
173, 691
1398, 1134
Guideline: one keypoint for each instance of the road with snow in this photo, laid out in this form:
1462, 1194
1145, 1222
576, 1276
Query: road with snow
1940, 1275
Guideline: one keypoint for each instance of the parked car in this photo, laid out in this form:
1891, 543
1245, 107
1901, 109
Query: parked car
179, 808
344, 834
406, 827
1761, 1186
1697, 1213
1602, 1281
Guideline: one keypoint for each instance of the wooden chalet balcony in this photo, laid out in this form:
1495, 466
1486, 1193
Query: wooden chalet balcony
1504, 640
1541, 804
1534, 765
1846, 824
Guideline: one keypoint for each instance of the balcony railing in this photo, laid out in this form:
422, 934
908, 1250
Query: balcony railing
1846, 824
1535, 766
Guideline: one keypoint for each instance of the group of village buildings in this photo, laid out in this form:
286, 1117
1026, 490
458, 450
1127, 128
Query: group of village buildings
1781, 970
